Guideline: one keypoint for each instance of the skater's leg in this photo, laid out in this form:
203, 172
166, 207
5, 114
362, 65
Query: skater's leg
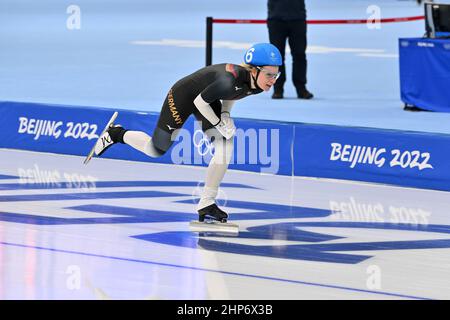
217, 168
141, 141
174, 112
171, 118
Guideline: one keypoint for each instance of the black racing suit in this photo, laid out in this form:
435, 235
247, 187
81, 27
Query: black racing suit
214, 83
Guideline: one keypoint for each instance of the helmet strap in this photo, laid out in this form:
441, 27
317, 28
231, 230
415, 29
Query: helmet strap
255, 79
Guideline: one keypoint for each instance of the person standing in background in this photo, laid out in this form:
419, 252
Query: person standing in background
287, 21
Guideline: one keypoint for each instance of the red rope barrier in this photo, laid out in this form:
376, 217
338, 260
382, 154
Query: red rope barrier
342, 21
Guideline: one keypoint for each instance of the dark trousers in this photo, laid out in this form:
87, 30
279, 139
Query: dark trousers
295, 33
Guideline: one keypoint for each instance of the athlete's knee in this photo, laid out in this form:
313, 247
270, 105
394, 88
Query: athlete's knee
161, 141
154, 151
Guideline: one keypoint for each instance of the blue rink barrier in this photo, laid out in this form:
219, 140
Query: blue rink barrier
401, 158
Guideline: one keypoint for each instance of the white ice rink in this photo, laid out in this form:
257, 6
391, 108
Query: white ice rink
119, 230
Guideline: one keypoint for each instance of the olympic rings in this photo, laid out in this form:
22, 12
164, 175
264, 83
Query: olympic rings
203, 144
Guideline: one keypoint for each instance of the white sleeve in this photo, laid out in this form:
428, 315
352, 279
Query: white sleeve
227, 105
206, 110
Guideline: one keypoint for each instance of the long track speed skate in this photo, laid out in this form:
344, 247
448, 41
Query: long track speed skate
110, 122
212, 218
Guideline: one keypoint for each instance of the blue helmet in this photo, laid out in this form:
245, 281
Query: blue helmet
263, 54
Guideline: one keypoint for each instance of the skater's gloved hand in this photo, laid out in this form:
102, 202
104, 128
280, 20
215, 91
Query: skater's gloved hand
226, 126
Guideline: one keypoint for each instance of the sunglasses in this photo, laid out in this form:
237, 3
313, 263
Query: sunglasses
269, 75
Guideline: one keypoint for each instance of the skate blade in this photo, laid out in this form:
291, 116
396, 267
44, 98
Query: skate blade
91, 153
226, 227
